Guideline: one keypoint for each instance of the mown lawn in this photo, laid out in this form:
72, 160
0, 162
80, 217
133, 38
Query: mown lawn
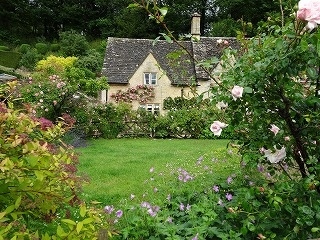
120, 167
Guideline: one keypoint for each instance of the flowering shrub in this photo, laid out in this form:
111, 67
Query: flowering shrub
140, 93
271, 91
48, 96
58, 87
39, 181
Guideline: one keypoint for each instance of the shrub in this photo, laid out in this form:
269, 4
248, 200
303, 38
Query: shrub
9, 59
49, 97
92, 60
54, 47
4, 48
73, 44
55, 65
42, 48
29, 59
24, 48
39, 181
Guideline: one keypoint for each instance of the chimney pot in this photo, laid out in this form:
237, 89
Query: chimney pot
195, 26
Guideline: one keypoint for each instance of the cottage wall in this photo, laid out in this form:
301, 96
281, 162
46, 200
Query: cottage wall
162, 90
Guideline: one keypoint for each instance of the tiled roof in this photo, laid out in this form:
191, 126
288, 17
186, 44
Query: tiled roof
124, 56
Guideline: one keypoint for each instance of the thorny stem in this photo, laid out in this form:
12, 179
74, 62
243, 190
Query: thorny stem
300, 152
285, 171
163, 24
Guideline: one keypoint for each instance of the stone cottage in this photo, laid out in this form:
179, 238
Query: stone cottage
144, 72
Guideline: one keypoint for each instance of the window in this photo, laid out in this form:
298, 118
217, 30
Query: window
150, 78
153, 108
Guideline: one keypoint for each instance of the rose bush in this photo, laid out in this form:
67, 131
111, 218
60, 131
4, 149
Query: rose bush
271, 91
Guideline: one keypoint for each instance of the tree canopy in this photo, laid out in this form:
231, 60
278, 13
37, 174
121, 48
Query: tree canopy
30, 19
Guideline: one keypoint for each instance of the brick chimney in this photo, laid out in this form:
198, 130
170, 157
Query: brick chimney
195, 26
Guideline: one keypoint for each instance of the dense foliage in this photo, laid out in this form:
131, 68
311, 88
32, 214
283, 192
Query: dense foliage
58, 86
270, 91
23, 20
39, 181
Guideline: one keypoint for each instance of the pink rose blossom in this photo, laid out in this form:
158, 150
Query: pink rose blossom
237, 92
274, 129
309, 10
277, 156
287, 138
221, 105
216, 127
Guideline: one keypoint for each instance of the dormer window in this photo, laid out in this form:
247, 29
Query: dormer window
150, 78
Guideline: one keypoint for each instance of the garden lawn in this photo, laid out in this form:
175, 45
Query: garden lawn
118, 168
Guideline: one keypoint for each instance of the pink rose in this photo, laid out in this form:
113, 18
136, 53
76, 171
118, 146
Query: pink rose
221, 105
277, 156
309, 10
237, 92
274, 129
216, 127
287, 138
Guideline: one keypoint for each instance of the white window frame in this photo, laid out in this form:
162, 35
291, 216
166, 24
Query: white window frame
152, 107
150, 78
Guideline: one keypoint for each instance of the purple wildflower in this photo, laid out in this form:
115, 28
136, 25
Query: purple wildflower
199, 160
169, 220
215, 188
145, 205
188, 207
151, 212
195, 237
169, 197
109, 209
229, 196
260, 168
181, 207
184, 176
229, 180
119, 214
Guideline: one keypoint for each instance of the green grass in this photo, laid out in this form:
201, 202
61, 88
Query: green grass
120, 167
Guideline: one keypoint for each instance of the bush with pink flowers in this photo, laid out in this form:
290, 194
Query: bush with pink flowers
270, 89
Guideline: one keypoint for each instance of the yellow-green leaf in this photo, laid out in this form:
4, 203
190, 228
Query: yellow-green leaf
60, 231
79, 226
69, 221
18, 201
2, 214
87, 220
82, 210
39, 175
10, 209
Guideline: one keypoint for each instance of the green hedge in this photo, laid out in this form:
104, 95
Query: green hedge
9, 59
